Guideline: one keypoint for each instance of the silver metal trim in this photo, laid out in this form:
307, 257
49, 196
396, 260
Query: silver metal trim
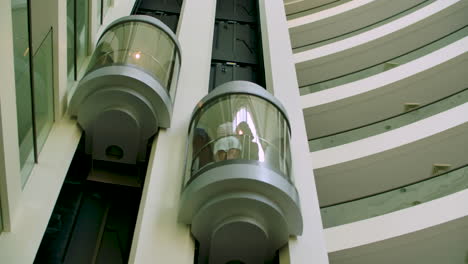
146, 84
255, 179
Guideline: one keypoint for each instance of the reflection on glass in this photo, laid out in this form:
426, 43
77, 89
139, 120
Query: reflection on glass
139, 44
43, 90
420, 113
387, 65
401, 198
239, 127
82, 32
99, 12
106, 4
71, 40
23, 87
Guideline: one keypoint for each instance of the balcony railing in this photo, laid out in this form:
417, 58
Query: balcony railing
363, 29
397, 199
388, 124
386, 65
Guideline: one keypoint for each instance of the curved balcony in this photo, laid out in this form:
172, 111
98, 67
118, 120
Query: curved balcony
389, 160
129, 86
381, 44
431, 233
238, 179
418, 82
397, 199
347, 20
390, 123
387, 65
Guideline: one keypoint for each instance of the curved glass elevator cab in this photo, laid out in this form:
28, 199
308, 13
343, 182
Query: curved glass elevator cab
128, 90
238, 195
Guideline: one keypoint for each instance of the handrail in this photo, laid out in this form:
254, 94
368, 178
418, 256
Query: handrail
394, 189
327, 216
391, 117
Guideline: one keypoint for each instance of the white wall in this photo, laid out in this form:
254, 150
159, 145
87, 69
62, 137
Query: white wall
281, 81
158, 237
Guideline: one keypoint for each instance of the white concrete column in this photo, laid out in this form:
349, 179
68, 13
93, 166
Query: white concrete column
158, 237
281, 80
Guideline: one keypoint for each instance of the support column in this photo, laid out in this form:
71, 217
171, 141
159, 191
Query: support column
158, 237
281, 80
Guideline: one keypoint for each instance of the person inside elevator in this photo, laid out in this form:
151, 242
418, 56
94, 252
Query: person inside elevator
249, 147
227, 145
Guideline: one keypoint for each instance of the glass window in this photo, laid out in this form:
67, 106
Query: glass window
239, 127
71, 40
82, 32
106, 4
139, 44
23, 87
43, 89
77, 36
36, 89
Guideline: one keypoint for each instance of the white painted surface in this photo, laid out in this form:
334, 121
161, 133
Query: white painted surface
10, 179
343, 18
392, 159
424, 80
281, 80
432, 232
38, 198
382, 43
158, 237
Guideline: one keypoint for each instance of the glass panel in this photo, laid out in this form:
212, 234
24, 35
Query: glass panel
44, 89
106, 4
71, 40
99, 11
139, 44
82, 34
389, 124
239, 127
23, 87
401, 198
175, 76
387, 65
